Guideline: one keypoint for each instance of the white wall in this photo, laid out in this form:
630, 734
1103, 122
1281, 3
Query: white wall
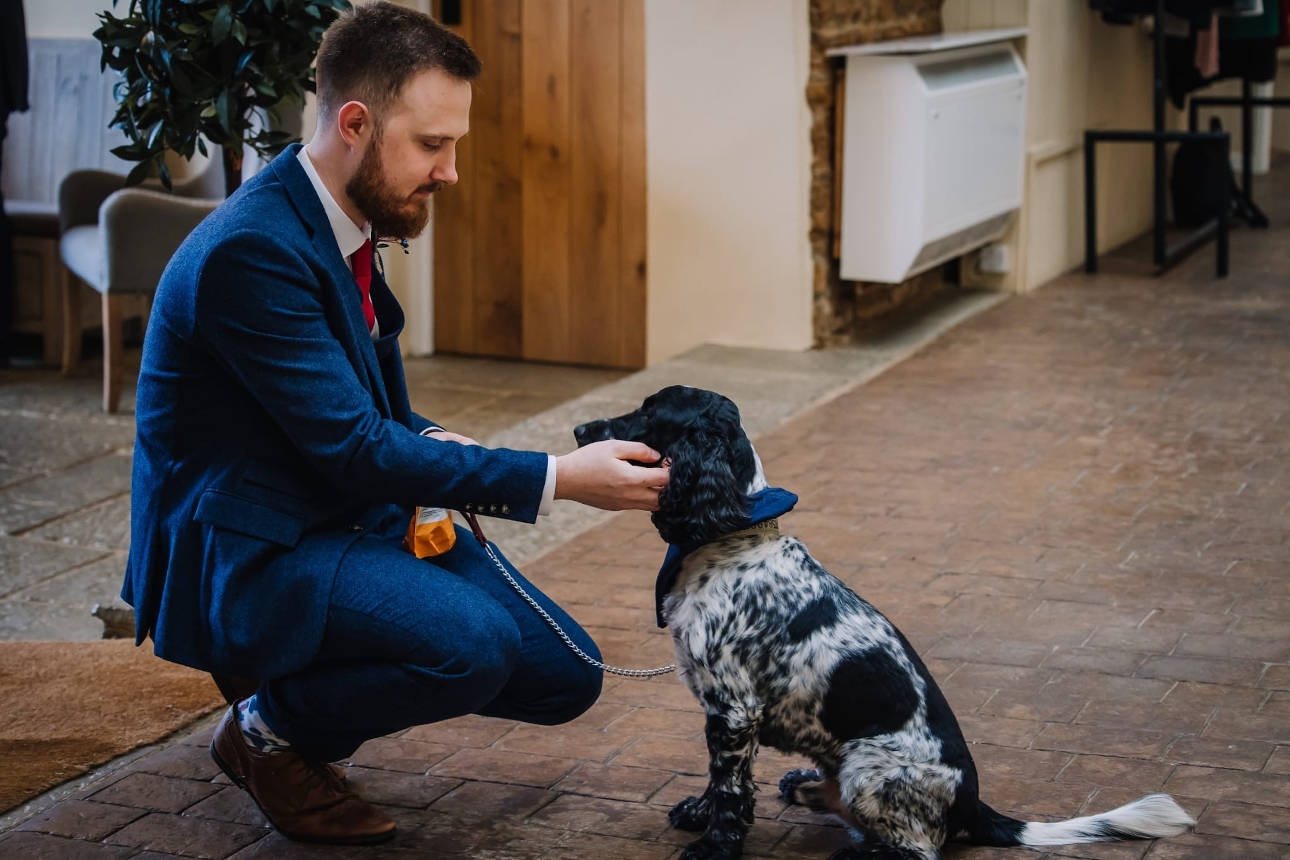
1281, 116
728, 161
66, 19
1084, 73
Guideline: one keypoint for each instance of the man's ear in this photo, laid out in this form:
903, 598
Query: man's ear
702, 500
354, 122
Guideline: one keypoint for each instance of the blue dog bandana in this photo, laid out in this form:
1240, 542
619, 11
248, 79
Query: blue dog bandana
762, 506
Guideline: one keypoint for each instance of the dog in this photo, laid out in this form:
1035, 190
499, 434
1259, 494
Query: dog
780, 653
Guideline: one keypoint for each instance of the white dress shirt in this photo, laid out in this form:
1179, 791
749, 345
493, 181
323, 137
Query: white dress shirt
350, 237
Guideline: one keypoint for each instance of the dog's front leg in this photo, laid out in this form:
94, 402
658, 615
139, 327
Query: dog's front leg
728, 802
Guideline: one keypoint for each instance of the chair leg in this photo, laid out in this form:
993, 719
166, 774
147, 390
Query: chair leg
112, 352
51, 306
71, 320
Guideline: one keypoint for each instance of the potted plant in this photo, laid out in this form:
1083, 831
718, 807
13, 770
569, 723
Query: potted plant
195, 71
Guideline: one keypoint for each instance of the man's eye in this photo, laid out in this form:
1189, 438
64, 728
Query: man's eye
433, 147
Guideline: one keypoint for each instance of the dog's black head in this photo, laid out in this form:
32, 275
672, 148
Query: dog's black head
713, 464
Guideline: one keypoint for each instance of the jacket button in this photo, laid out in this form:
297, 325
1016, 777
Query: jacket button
492, 509
506, 509
469, 506
356, 528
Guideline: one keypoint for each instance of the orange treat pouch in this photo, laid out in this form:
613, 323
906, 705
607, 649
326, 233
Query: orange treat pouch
430, 533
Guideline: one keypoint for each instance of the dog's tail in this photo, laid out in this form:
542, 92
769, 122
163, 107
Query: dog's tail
1149, 817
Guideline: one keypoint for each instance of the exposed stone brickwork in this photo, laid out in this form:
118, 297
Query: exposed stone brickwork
839, 305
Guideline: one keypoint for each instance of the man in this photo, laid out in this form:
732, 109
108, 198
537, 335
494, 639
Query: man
13, 99
278, 461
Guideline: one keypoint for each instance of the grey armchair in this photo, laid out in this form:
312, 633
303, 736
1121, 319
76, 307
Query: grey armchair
118, 241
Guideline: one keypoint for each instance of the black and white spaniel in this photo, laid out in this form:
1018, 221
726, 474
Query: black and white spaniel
781, 653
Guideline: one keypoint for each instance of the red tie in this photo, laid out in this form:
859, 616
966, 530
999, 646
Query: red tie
363, 274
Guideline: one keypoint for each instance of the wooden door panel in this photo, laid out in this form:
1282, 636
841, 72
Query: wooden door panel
496, 151
454, 233
546, 205
632, 188
593, 182
540, 248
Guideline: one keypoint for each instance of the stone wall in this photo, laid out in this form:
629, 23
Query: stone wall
841, 307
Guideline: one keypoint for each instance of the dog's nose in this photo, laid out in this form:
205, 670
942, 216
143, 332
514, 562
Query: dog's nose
585, 434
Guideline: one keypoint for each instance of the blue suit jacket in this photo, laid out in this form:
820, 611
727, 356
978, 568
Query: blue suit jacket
273, 432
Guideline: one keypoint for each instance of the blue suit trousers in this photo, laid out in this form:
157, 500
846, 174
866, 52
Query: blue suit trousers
412, 641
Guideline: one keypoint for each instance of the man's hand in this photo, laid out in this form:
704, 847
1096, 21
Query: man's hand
599, 475
451, 437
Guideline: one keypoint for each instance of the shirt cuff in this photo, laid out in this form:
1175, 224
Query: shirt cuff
548, 491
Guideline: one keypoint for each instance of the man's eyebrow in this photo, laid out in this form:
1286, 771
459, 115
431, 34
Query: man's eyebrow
438, 138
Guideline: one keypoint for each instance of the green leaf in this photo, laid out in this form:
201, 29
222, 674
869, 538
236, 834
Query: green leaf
224, 110
190, 29
239, 31
130, 151
180, 80
222, 25
138, 173
153, 11
208, 111
164, 172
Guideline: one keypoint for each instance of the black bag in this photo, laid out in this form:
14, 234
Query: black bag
1196, 182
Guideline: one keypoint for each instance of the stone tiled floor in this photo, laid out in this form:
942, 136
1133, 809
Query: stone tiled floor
65, 473
1075, 507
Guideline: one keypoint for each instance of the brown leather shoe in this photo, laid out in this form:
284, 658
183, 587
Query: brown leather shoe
302, 798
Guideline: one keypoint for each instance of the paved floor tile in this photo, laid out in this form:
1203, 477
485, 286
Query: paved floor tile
202, 838
614, 782
80, 819
41, 846
147, 791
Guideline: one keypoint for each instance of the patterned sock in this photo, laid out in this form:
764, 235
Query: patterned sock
255, 731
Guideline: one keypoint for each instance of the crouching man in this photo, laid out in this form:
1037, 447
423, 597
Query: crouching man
278, 461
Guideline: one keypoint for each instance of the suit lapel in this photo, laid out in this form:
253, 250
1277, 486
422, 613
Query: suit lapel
354, 335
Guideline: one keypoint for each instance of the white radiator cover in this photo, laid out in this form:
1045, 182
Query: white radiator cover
933, 151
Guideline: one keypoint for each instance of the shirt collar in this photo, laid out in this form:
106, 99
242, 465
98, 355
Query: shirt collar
349, 237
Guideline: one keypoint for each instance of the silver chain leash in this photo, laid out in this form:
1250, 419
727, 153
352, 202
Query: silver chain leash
555, 625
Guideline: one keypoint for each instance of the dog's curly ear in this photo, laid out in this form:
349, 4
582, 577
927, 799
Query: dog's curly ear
702, 500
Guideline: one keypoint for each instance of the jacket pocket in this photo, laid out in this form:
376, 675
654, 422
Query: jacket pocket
227, 511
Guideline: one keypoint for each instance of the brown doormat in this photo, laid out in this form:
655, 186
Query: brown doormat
66, 707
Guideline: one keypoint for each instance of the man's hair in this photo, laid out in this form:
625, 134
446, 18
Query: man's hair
372, 51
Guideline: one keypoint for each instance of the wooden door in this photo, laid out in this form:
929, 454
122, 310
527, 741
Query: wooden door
540, 247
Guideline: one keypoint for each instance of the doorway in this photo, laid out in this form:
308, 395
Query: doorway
539, 250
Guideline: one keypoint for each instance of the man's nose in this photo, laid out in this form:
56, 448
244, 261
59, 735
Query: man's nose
445, 171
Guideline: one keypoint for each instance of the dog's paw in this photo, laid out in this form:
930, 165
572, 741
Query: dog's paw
691, 814
790, 781
710, 849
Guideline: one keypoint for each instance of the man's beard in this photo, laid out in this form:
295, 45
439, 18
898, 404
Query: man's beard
391, 216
